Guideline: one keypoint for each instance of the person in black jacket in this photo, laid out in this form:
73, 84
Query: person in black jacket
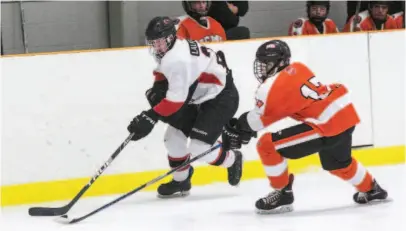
228, 14
396, 6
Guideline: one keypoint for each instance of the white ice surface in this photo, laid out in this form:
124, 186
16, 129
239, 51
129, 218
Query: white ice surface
322, 202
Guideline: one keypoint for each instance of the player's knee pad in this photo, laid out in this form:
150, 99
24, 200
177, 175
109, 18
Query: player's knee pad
176, 143
266, 150
197, 147
265, 143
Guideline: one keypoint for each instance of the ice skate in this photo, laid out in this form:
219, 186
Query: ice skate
175, 188
278, 201
235, 170
375, 194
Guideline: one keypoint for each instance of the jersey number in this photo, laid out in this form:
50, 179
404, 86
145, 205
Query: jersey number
314, 89
194, 50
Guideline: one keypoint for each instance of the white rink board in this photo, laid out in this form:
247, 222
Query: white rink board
388, 76
64, 114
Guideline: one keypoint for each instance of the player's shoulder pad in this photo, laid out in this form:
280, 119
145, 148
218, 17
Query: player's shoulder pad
329, 20
390, 18
361, 16
178, 56
398, 14
299, 68
181, 20
296, 64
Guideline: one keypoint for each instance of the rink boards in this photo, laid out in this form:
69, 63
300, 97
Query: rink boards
64, 113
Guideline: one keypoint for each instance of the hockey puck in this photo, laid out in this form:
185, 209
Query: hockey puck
64, 219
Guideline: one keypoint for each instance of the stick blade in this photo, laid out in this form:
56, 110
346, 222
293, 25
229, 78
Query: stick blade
45, 211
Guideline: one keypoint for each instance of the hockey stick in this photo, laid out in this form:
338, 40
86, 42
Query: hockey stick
65, 219
357, 9
47, 211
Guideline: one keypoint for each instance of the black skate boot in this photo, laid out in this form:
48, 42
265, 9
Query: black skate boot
176, 188
278, 201
235, 170
376, 193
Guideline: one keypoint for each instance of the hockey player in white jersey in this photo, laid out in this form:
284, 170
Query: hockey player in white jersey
195, 95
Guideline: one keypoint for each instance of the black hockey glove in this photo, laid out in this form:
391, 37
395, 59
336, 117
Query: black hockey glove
157, 92
143, 124
230, 136
154, 96
246, 132
233, 137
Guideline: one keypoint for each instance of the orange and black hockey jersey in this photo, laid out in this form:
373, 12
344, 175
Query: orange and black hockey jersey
303, 26
295, 92
364, 22
189, 28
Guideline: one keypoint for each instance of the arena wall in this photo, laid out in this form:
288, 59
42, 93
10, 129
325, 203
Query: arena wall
63, 114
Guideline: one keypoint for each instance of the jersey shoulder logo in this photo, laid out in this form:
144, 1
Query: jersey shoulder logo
357, 19
290, 70
298, 23
259, 103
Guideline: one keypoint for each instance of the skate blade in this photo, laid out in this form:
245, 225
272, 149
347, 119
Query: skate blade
279, 210
377, 202
175, 195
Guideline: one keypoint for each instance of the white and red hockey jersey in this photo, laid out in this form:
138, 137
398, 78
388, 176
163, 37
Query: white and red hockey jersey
183, 65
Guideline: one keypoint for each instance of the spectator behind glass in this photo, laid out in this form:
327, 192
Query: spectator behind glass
316, 21
352, 7
228, 14
375, 18
399, 15
396, 6
196, 25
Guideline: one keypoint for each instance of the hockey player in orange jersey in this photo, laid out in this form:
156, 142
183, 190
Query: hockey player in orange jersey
196, 25
316, 21
375, 18
328, 119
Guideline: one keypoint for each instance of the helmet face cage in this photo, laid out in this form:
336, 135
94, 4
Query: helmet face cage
160, 36
264, 70
191, 5
271, 57
159, 47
